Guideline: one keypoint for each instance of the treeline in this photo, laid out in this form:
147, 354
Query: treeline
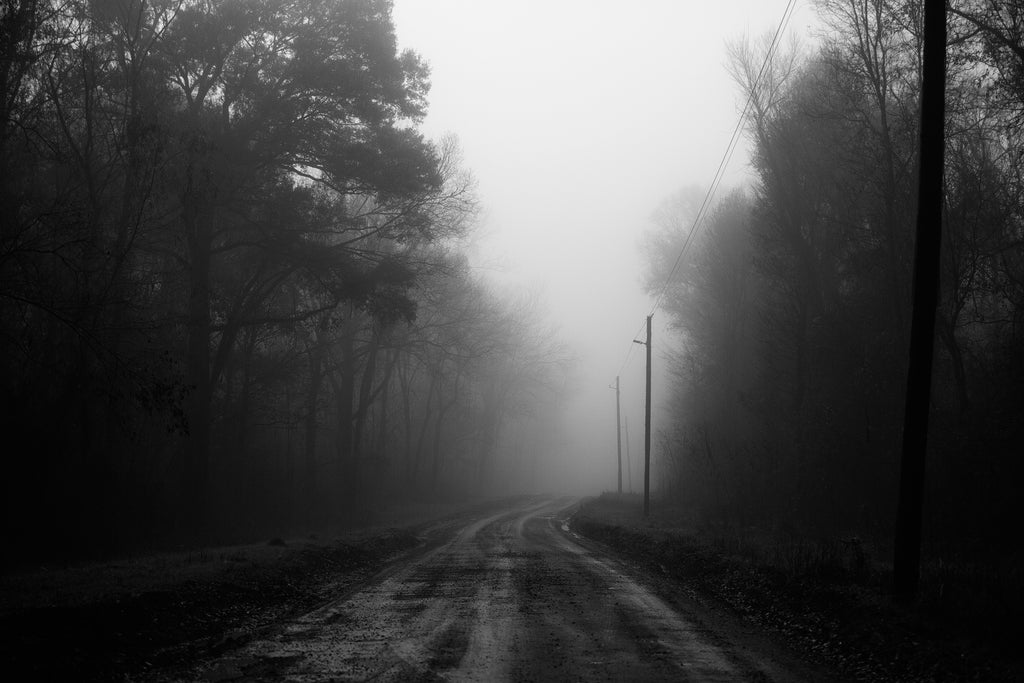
234, 295
794, 306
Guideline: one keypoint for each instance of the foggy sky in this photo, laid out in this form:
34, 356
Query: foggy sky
577, 118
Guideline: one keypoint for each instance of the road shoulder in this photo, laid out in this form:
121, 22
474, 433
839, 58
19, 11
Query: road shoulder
830, 624
132, 617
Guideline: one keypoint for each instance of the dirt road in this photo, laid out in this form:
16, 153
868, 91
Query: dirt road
512, 596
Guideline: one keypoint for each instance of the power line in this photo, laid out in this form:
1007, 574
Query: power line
723, 163
629, 352
727, 155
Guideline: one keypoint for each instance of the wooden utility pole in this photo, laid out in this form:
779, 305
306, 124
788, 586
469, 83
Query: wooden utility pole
647, 428
618, 431
907, 555
629, 463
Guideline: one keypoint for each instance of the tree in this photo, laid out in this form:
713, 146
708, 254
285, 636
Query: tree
809, 439
299, 105
199, 181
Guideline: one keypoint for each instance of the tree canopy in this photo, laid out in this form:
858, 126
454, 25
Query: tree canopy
227, 254
793, 307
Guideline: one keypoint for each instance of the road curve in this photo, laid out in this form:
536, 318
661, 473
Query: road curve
514, 596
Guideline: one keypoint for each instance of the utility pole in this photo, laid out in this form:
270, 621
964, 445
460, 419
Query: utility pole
618, 431
907, 552
647, 428
647, 424
629, 463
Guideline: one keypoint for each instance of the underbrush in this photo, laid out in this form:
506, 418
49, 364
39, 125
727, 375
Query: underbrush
830, 596
122, 620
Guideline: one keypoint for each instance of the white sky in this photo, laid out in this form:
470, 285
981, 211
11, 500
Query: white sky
577, 118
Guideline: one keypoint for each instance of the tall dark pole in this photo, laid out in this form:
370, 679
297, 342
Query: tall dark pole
647, 428
618, 431
629, 463
907, 555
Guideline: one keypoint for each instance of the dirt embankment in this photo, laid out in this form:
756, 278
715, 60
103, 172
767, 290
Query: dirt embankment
832, 610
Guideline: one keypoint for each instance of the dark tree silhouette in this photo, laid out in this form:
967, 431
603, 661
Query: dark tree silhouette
907, 558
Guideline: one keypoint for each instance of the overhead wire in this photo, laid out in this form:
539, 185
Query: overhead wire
632, 345
723, 164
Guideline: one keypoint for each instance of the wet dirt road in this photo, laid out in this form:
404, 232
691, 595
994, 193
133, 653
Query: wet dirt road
514, 596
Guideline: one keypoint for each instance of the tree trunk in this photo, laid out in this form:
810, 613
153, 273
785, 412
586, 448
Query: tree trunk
415, 464
365, 398
242, 408
948, 337
344, 390
316, 377
380, 444
197, 452
405, 386
438, 428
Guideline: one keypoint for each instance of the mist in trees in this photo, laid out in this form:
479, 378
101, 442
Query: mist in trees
238, 295
792, 307
235, 293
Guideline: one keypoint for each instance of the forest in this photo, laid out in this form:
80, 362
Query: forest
235, 293
237, 296
273, 410
793, 309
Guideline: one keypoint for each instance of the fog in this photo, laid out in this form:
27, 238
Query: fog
274, 268
326, 305
578, 119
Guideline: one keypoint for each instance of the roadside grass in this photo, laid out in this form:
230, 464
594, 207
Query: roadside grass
830, 596
79, 584
121, 620
131, 616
